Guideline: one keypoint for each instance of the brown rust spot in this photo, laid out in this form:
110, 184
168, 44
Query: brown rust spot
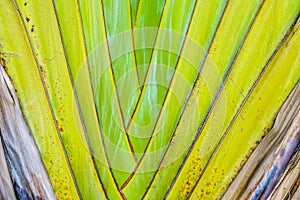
2, 58
43, 72
3, 61
192, 176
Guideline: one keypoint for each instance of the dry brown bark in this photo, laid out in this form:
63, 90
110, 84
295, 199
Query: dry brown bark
22, 173
276, 153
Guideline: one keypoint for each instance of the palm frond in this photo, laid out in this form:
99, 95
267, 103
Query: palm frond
138, 99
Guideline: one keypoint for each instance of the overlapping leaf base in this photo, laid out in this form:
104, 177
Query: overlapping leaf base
149, 99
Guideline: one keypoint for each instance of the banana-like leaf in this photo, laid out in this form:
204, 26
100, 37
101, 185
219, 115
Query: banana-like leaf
138, 99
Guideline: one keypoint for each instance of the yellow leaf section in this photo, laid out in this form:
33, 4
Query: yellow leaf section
206, 15
41, 24
253, 56
172, 28
69, 21
70, 25
228, 37
23, 70
256, 116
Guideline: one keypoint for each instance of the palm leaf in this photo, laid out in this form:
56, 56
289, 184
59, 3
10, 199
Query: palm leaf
265, 159
20, 174
144, 100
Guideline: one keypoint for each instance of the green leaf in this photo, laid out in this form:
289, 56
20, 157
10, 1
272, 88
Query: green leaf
138, 99
34, 100
147, 21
